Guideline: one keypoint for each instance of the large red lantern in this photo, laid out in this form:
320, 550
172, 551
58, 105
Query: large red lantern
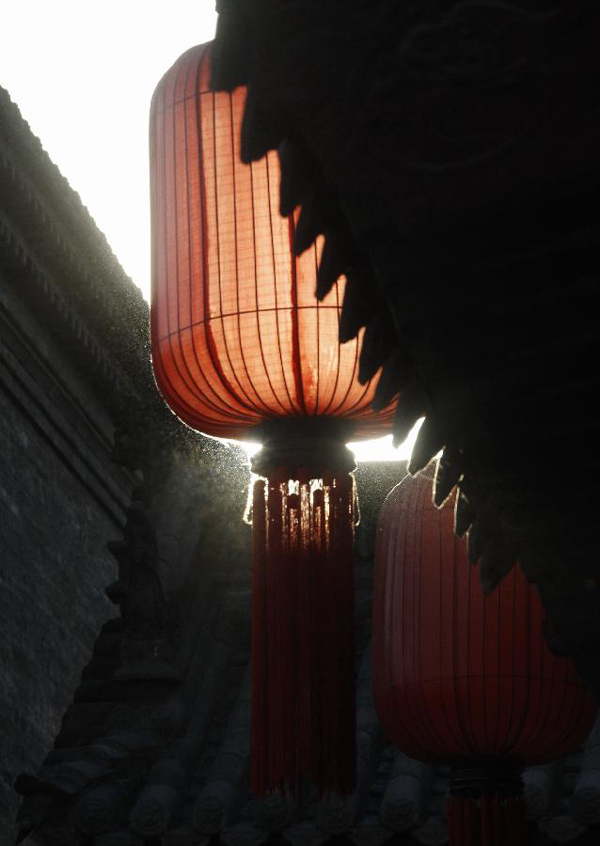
466, 680
242, 349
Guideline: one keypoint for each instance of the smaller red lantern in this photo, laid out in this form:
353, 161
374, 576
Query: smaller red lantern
462, 679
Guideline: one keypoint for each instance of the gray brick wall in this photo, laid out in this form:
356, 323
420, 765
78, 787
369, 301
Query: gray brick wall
74, 361
61, 500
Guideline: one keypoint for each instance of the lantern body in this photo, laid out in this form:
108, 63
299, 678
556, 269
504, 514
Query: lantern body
460, 678
238, 337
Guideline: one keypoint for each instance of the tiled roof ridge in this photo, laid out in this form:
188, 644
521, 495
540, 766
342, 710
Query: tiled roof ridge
66, 256
404, 804
48, 176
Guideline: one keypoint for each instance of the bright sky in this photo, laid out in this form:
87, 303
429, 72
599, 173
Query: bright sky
82, 75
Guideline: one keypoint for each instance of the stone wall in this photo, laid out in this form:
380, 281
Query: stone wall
61, 499
73, 356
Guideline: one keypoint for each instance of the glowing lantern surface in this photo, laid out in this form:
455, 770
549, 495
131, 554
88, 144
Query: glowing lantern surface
241, 348
462, 679
238, 337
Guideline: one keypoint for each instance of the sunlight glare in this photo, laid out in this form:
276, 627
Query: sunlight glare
378, 449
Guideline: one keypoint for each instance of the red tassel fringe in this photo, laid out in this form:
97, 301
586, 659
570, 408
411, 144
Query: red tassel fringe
303, 701
487, 821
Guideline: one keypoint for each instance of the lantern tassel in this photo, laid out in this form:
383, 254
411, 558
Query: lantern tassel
303, 703
486, 814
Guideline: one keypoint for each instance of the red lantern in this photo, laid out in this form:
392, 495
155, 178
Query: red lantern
462, 679
242, 349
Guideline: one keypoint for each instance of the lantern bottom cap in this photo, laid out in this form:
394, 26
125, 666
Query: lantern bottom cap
493, 775
312, 442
